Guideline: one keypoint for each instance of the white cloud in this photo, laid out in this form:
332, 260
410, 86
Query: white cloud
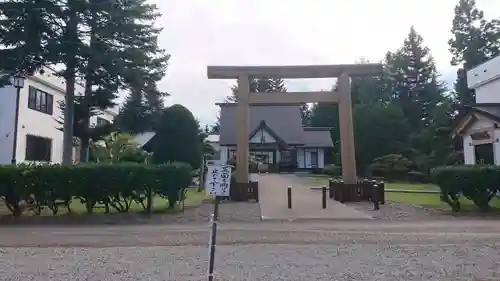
198, 33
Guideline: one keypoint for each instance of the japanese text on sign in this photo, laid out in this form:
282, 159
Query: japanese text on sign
218, 180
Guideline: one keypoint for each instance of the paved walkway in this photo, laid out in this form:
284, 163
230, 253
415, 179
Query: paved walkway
306, 203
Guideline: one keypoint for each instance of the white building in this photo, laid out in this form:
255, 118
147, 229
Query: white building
39, 138
480, 128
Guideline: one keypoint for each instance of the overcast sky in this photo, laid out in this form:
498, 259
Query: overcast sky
198, 33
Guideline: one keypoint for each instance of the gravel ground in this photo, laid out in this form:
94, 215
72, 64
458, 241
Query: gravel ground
228, 212
399, 212
254, 262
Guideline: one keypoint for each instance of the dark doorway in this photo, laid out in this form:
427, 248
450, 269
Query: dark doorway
314, 159
484, 154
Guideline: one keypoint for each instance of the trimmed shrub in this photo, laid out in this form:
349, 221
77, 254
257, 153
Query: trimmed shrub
114, 185
478, 183
391, 167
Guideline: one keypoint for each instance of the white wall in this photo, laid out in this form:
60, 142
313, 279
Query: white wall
496, 146
304, 157
485, 80
262, 134
7, 116
489, 93
34, 122
469, 154
223, 154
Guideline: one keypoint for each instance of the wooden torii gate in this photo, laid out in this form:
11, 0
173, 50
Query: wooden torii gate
342, 96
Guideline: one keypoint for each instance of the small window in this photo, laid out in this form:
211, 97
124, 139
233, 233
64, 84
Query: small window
102, 122
38, 148
40, 101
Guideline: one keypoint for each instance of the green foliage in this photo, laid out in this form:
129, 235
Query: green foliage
391, 166
114, 185
332, 170
477, 183
106, 45
404, 111
380, 129
117, 148
177, 138
474, 40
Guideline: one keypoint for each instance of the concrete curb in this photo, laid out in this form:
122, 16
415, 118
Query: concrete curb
413, 191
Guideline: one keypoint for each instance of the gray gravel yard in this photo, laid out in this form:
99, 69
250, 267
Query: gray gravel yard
254, 262
399, 212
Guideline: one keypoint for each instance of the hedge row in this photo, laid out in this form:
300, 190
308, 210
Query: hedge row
113, 185
477, 183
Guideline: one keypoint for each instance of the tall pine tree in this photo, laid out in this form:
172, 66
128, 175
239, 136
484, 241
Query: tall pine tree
474, 40
106, 45
260, 85
414, 81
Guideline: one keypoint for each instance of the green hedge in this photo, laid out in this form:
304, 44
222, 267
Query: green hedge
478, 183
113, 185
332, 170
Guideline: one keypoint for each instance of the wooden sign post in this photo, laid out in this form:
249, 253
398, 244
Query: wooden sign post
217, 183
342, 96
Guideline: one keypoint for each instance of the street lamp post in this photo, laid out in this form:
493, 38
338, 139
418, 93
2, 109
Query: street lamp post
17, 81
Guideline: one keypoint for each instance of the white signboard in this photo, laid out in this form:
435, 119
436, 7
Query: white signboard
218, 180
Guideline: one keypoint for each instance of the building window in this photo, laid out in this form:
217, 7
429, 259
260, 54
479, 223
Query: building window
102, 122
38, 148
40, 101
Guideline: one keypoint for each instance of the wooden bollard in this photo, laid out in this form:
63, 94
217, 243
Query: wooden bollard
323, 197
289, 195
375, 197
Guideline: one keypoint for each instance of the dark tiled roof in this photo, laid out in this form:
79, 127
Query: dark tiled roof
317, 137
284, 120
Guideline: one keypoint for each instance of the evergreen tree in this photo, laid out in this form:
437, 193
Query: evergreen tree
260, 85
177, 137
474, 41
133, 114
122, 53
414, 81
380, 129
138, 113
26, 31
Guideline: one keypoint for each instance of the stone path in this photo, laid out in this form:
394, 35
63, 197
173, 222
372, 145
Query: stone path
306, 203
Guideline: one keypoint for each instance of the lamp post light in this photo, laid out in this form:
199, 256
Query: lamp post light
17, 80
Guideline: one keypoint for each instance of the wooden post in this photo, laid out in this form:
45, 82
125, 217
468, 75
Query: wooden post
202, 174
347, 152
243, 130
289, 197
323, 196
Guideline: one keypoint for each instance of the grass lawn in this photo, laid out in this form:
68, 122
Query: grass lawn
411, 186
160, 205
433, 201
425, 200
